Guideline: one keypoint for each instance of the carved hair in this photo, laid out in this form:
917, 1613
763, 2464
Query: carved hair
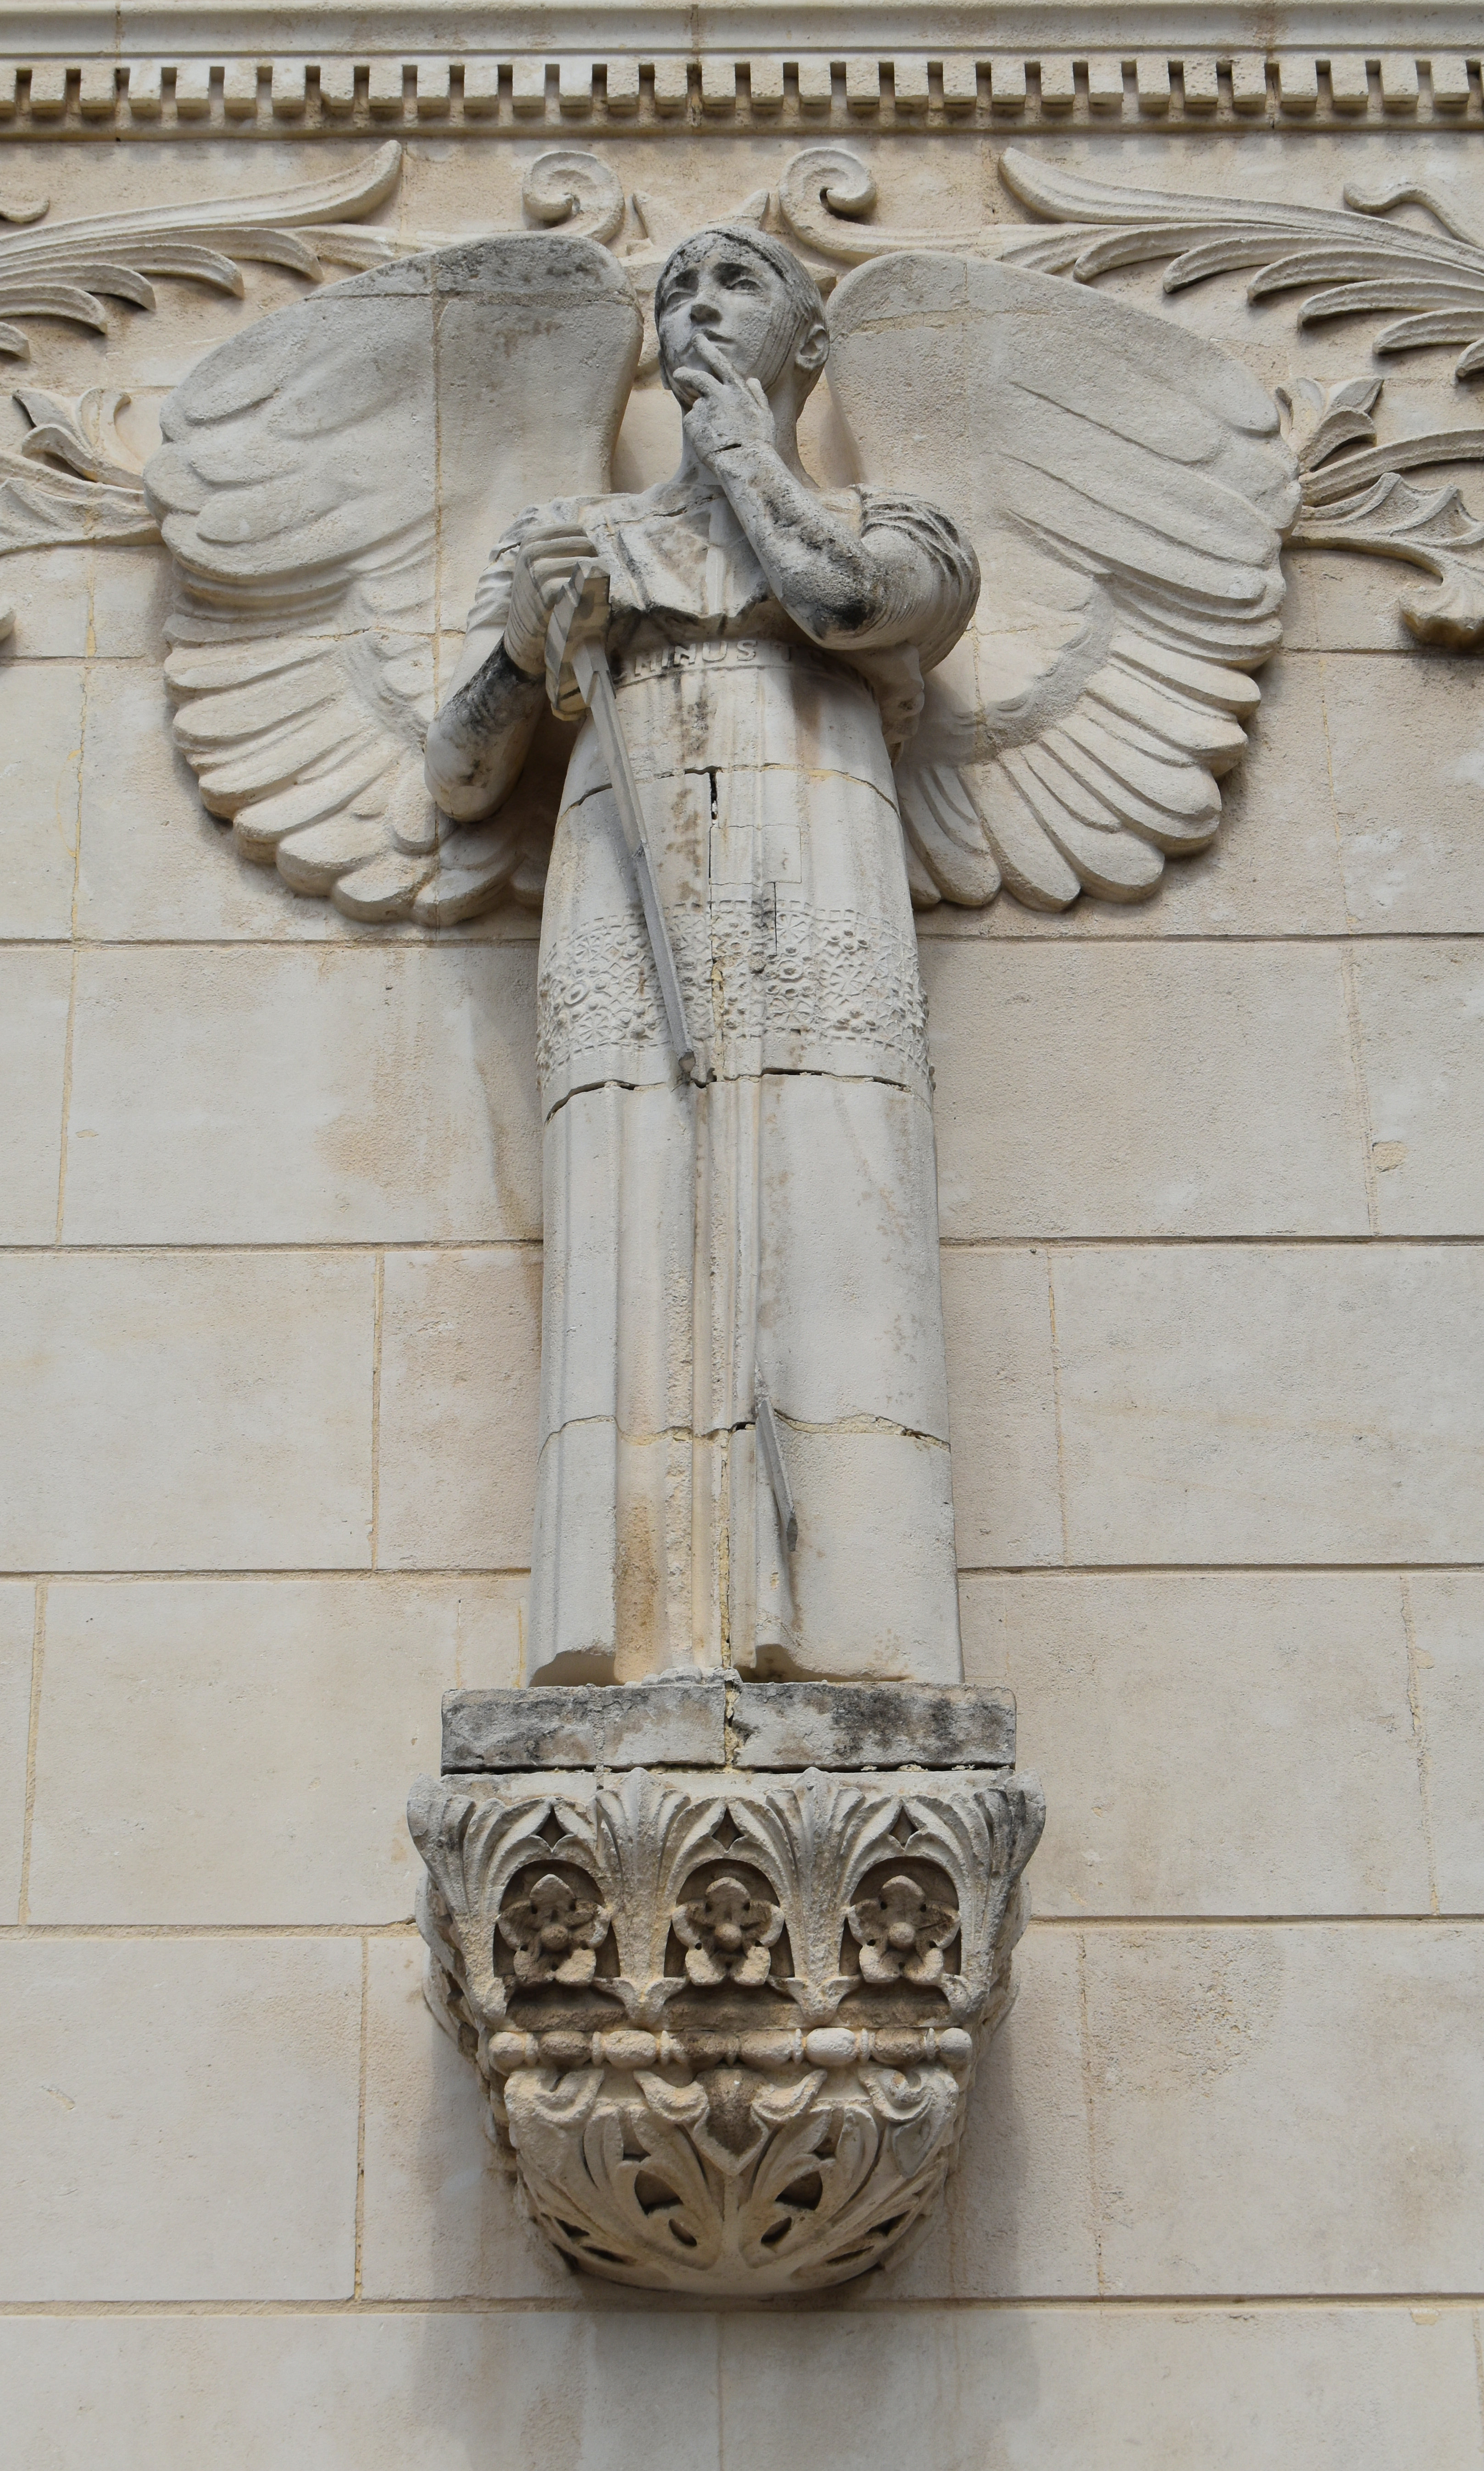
806, 308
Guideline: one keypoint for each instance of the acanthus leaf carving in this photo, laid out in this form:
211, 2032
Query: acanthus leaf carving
73, 483
815, 1845
1359, 262
649, 1838
73, 480
1430, 528
982, 1835
81, 432
472, 1849
1356, 499
713, 2145
68, 269
1360, 265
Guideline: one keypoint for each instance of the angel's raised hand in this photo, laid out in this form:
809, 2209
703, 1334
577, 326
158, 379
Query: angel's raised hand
725, 410
540, 571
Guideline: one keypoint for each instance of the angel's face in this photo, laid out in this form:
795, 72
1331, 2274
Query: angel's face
735, 303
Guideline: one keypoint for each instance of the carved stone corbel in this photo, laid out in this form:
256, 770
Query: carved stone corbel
725, 1956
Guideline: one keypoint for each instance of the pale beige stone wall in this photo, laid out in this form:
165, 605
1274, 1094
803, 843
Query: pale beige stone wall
1210, 1173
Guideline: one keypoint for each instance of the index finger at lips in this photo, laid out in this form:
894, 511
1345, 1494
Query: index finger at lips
703, 384
712, 358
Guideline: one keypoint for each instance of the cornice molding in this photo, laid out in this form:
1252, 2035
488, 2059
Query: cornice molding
403, 80
184, 28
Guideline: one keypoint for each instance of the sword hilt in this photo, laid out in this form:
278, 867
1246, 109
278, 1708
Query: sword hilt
579, 616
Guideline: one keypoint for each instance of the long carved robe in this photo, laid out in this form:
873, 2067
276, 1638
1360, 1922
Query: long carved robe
775, 1229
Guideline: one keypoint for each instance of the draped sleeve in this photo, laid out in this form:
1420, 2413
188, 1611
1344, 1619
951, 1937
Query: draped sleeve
491, 604
928, 613
943, 609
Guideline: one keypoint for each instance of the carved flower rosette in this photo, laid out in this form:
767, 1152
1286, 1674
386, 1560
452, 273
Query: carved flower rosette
728, 2024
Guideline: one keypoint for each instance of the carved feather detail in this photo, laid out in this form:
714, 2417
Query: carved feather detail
330, 485
1128, 491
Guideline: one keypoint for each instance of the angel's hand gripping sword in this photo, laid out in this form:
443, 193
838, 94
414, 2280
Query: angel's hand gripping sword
577, 676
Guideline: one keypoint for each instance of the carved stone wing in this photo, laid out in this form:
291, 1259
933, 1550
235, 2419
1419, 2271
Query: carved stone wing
1128, 492
331, 483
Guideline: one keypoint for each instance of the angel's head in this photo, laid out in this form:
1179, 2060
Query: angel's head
752, 300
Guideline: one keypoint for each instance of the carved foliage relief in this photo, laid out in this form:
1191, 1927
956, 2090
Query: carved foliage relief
727, 2026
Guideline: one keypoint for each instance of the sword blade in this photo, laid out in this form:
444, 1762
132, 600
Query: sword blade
777, 1472
590, 667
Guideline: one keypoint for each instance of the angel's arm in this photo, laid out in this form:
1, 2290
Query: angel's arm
478, 741
480, 736
849, 590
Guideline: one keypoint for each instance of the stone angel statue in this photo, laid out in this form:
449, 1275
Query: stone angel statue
1016, 645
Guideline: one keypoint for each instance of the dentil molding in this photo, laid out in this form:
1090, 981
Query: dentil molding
251, 72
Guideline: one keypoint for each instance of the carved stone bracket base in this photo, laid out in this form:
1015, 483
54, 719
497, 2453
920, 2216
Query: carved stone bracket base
726, 2016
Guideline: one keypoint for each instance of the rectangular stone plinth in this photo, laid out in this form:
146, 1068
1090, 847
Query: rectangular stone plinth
846, 1725
717, 1721
671, 1723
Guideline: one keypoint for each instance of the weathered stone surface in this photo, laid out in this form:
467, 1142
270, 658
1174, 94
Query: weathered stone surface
1406, 768
1152, 1700
382, 2389
1002, 1400
1338, 2389
18, 1637
33, 1068
1421, 1007
1344, 604
1236, 2075
227, 1750
199, 2142
1018, 2219
150, 861
1237, 1114
1255, 1403
460, 1373
1446, 1615
841, 1725
441, 2220
186, 1411
1056, 2389
41, 716
241, 1096
661, 1723
681, 1722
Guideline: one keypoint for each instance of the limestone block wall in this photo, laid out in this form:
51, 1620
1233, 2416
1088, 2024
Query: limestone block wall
1212, 1193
